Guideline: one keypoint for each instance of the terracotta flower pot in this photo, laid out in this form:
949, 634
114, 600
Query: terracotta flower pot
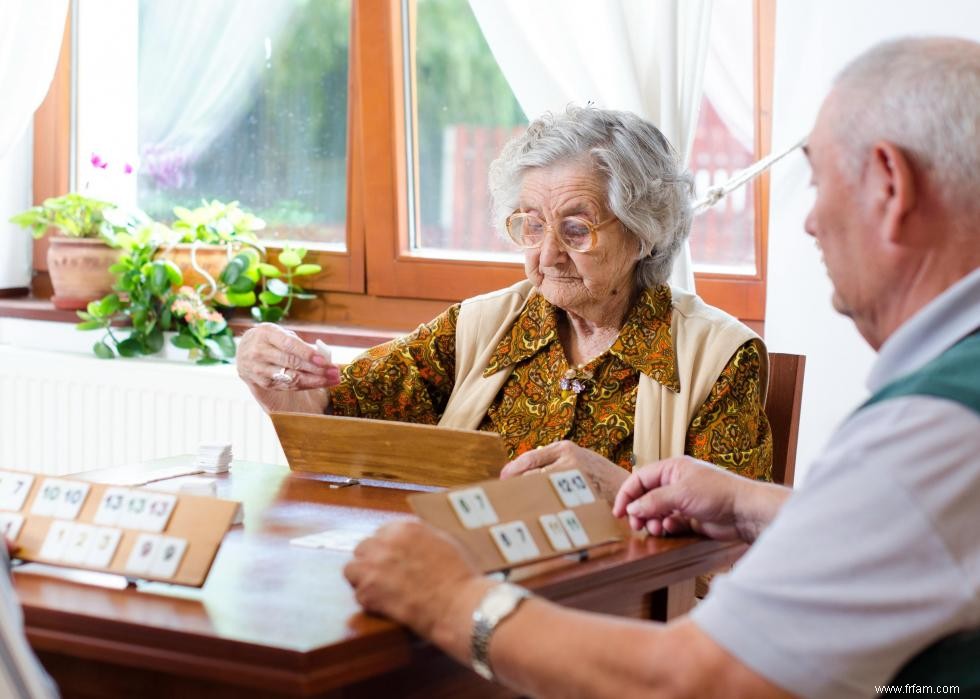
211, 258
79, 269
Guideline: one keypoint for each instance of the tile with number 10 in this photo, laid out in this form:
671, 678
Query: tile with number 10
60, 498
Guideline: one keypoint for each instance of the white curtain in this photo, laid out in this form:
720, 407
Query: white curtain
645, 56
728, 82
199, 63
30, 41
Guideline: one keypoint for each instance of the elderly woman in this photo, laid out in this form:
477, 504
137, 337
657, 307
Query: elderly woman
593, 360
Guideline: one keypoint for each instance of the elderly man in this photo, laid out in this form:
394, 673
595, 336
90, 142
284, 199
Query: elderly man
877, 556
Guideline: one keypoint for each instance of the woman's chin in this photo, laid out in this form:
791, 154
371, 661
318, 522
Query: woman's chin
564, 293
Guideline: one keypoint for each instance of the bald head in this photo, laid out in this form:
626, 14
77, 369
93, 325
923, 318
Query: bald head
923, 95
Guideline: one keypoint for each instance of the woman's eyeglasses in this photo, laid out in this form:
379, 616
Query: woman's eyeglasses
574, 233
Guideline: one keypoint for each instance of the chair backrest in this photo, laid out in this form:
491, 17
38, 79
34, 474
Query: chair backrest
783, 401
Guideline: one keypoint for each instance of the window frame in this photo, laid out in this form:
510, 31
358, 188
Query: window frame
379, 271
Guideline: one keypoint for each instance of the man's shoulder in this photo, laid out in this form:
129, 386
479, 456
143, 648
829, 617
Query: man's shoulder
954, 375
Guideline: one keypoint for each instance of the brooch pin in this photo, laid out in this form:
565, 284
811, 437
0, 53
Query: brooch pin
575, 380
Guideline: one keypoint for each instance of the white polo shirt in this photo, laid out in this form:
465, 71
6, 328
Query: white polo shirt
878, 555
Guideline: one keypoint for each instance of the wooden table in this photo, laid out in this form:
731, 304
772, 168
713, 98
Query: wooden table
276, 620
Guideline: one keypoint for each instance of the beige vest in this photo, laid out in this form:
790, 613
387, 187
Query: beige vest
705, 338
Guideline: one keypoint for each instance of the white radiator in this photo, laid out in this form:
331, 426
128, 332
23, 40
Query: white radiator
63, 411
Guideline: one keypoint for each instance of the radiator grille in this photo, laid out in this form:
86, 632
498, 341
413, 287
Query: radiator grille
64, 412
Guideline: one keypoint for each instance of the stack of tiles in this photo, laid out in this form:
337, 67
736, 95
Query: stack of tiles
214, 458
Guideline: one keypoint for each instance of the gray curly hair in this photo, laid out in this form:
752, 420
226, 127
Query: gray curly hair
647, 188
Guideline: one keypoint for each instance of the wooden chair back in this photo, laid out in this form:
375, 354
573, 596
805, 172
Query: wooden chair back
783, 399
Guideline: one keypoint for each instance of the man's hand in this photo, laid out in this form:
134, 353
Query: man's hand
682, 494
604, 476
416, 575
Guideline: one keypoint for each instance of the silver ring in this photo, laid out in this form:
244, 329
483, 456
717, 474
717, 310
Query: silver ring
282, 376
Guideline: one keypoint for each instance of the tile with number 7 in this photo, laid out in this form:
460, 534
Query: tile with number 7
473, 507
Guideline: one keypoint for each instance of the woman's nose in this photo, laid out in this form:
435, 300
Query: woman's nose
551, 251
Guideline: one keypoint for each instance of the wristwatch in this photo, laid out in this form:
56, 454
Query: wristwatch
499, 603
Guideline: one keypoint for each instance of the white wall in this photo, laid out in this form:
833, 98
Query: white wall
814, 40
16, 191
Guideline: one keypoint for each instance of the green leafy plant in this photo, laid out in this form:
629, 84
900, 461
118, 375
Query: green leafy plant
72, 215
149, 293
276, 289
215, 222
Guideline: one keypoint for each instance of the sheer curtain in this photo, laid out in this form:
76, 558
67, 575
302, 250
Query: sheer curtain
728, 73
199, 62
30, 40
639, 55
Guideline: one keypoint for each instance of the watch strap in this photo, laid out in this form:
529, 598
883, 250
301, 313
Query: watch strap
497, 604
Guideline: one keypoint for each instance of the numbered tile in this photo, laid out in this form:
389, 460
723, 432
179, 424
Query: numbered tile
581, 486
555, 532
104, 545
80, 540
48, 498
56, 541
473, 508
135, 509
14, 488
111, 506
158, 512
72, 498
169, 554
10, 525
141, 557
514, 541
574, 529
572, 488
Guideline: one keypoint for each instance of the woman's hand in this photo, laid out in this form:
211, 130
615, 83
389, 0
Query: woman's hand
273, 361
604, 476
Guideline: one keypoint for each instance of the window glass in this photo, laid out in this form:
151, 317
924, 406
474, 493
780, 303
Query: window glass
723, 238
247, 102
466, 111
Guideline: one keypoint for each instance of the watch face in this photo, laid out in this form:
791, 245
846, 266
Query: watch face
501, 601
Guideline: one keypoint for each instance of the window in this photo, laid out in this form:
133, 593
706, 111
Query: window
366, 129
207, 101
465, 112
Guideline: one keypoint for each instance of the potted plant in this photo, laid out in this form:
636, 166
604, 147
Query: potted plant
80, 255
156, 295
207, 237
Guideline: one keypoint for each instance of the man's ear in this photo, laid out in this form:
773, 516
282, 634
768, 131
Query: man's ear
891, 186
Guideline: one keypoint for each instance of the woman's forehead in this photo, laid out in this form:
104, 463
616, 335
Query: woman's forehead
570, 184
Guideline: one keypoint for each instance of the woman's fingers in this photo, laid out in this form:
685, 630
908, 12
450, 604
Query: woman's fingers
271, 357
539, 458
